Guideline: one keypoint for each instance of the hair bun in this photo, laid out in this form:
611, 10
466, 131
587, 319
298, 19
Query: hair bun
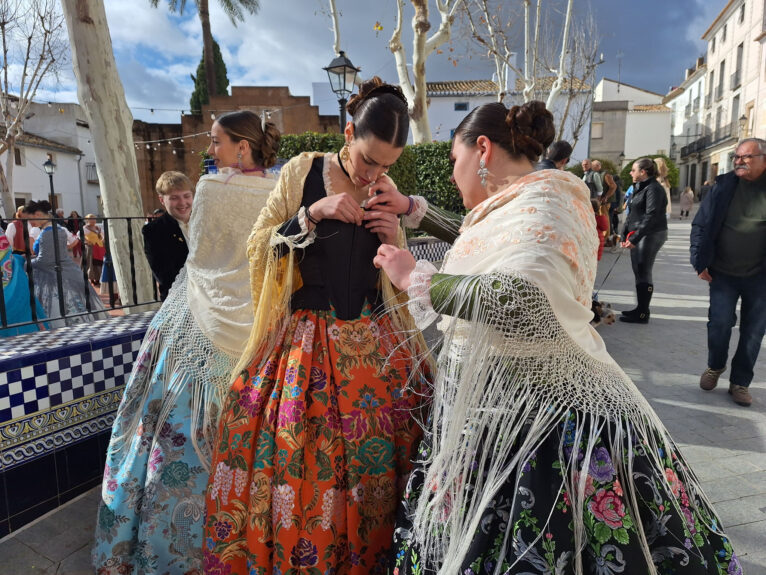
531, 127
370, 88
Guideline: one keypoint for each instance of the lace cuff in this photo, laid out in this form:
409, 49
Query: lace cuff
419, 294
420, 207
301, 239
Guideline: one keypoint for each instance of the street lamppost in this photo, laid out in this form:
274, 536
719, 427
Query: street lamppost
342, 74
742, 125
50, 169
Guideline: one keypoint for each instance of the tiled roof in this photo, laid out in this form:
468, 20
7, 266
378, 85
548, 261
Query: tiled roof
34, 141
651, 108
462, 88
489, 87
545, 83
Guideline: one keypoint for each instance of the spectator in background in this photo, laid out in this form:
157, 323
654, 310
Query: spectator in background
15, 232
94, 249
728, 250
646, 230
592, 179
704, 190
75, 296
686, 202
557, 156
602, 225
165, 236
662, 179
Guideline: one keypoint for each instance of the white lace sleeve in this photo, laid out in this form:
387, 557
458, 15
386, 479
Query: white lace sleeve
301, 239
419, 294
420, 207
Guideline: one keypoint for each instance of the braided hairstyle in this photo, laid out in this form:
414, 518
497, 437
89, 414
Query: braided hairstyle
522, 131
381, 110
262, 137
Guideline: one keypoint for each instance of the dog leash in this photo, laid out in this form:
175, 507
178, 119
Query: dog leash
619, 255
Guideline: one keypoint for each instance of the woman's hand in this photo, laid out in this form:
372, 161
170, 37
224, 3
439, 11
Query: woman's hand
397, 263
337, 207
385, 197
627, 244
385, 224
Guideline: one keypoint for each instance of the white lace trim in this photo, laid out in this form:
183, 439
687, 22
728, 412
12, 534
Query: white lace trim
419, 294
326, 175
419, 210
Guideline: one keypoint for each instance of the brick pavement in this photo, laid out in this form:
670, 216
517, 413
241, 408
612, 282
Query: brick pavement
725, 443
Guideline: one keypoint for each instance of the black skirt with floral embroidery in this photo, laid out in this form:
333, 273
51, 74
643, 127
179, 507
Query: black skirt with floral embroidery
529, 525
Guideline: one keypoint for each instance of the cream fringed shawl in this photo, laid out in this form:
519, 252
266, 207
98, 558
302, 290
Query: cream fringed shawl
202, 327
274, 276
523, 357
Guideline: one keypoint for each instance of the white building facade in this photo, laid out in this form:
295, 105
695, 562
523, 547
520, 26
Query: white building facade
734, 106
450, 102
627, 123
59, 132
687, 126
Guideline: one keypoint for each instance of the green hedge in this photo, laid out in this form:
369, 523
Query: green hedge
424, 169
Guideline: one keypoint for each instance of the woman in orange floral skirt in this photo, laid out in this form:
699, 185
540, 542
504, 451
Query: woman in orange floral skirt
319, 429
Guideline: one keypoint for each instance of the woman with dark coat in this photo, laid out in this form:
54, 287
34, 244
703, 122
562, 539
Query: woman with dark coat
646, 229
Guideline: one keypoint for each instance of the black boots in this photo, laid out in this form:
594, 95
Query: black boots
641, 313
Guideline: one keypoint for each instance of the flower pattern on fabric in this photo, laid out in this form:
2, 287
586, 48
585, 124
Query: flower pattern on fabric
323, 433
151, 514
682, 539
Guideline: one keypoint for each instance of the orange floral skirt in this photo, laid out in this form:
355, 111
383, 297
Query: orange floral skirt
313, 452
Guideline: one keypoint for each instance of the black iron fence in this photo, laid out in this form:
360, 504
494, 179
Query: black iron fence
110, 228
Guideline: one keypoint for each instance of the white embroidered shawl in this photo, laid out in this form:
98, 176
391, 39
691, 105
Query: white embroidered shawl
524, 358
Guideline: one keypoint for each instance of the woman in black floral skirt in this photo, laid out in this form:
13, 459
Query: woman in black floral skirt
542, 456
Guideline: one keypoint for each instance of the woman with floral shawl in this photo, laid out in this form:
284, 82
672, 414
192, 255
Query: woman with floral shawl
151, 515
318, 431
542, 456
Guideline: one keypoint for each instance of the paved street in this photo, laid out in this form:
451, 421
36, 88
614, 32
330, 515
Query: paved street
725, 443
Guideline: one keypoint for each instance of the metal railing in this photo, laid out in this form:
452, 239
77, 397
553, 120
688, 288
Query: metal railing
110, 227
696, 105
719, 92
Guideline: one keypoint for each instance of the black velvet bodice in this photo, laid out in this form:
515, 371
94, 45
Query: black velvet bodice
336, 268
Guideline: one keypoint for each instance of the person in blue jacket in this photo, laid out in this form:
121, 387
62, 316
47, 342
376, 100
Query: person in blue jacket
728, 250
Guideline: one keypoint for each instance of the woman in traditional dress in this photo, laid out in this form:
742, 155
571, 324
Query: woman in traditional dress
15, 286
152, 511
318, 431
81, 303
542, 455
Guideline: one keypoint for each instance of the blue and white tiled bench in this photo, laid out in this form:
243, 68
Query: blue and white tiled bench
59, 391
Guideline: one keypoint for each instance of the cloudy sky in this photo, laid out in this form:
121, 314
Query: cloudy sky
288, 43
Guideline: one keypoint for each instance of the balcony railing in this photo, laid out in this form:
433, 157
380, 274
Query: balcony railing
110, 226
711, 138
719, 92
709, 100
688, 110
696, 105
736, 79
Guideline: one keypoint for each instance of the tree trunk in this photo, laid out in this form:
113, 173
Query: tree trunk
9, 205
102, 96
207, 46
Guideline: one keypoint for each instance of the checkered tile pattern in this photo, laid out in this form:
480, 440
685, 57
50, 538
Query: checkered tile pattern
432, 250
13, 349
64, 368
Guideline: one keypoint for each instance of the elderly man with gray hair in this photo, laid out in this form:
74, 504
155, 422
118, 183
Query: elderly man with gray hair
728, 250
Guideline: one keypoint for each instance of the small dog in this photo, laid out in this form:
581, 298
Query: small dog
602, 313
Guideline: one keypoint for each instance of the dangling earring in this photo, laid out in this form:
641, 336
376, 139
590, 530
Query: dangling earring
345, 153
482, 172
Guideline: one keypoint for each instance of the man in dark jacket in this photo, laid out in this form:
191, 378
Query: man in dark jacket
556, 156
164, 242
728, 250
